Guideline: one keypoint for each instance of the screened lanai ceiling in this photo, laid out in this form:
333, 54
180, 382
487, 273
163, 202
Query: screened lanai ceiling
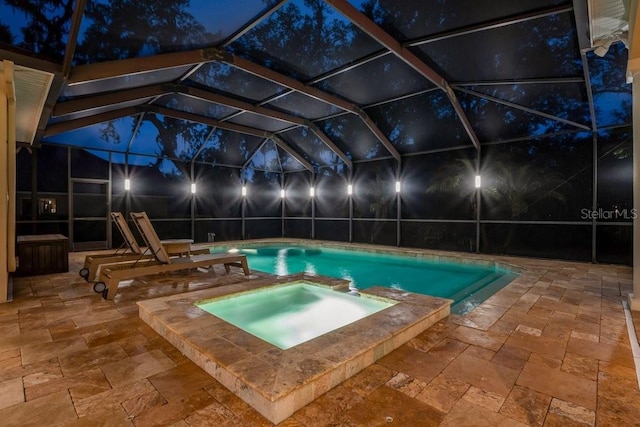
303, 84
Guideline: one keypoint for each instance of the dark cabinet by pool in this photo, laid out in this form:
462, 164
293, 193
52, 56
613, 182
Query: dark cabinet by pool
43, 254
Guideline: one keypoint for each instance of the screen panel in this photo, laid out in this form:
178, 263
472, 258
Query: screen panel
219, 231
375, 232
374, 193
297, 228
86, 165
541, 241
113, 135
539, 48
442, 236
612, 97
336, 231
262, 228
228, 148
332, 200
297, 201
52, 169
290, 39
42, 31
353, 137
119, 30
422, 122
409, 19
263, 194
541, 180
615, 175
230, 80
439, 185
218, 192
388, 75
614, 244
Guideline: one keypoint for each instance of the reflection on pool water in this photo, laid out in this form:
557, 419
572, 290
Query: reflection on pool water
467, 284
288, 315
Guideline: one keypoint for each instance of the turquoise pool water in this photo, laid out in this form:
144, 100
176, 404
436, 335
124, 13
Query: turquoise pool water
467, 285
288, 315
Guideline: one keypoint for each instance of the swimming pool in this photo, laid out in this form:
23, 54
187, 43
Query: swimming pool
290, 314
466, 284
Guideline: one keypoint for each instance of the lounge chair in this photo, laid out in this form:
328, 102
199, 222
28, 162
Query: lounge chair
130, 250
111, 275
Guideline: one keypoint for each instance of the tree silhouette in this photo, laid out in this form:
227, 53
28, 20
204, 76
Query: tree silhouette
305, 41
510, 193
5, 34
48, 23
374, 197
129, 28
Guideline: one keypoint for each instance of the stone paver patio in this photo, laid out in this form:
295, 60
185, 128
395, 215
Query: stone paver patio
551, 349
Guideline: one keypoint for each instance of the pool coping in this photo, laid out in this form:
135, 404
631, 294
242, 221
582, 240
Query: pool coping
278, 382
427, 254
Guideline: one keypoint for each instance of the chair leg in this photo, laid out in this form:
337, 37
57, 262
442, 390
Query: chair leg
112, 289
245, 267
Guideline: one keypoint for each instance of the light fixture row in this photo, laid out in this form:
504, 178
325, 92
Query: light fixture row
312, 191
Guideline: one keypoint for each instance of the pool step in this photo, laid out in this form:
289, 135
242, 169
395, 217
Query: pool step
480, 291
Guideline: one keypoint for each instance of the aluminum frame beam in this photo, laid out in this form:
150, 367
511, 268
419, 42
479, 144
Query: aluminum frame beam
247, 130
490, 25
82, 74
61, 78
239, 33
377, 33
111, 98
111, 69
280, 143
329, 143
281, 79
69, 125
523, 108
93, 102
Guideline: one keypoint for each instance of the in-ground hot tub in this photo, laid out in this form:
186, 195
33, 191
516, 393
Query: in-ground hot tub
292, 313
275, 381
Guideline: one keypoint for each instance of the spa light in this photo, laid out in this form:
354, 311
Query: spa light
312, 191
193, 188
282, 193
127, 184
244, 190
349, 189
397, 186
478, 181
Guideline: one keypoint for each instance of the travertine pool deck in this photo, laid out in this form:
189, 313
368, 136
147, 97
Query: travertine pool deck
551, 348
278, 382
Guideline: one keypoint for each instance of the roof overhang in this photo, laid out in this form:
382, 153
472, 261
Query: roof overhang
31, 91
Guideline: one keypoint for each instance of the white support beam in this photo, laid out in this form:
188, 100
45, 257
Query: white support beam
11, 166
7, 177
